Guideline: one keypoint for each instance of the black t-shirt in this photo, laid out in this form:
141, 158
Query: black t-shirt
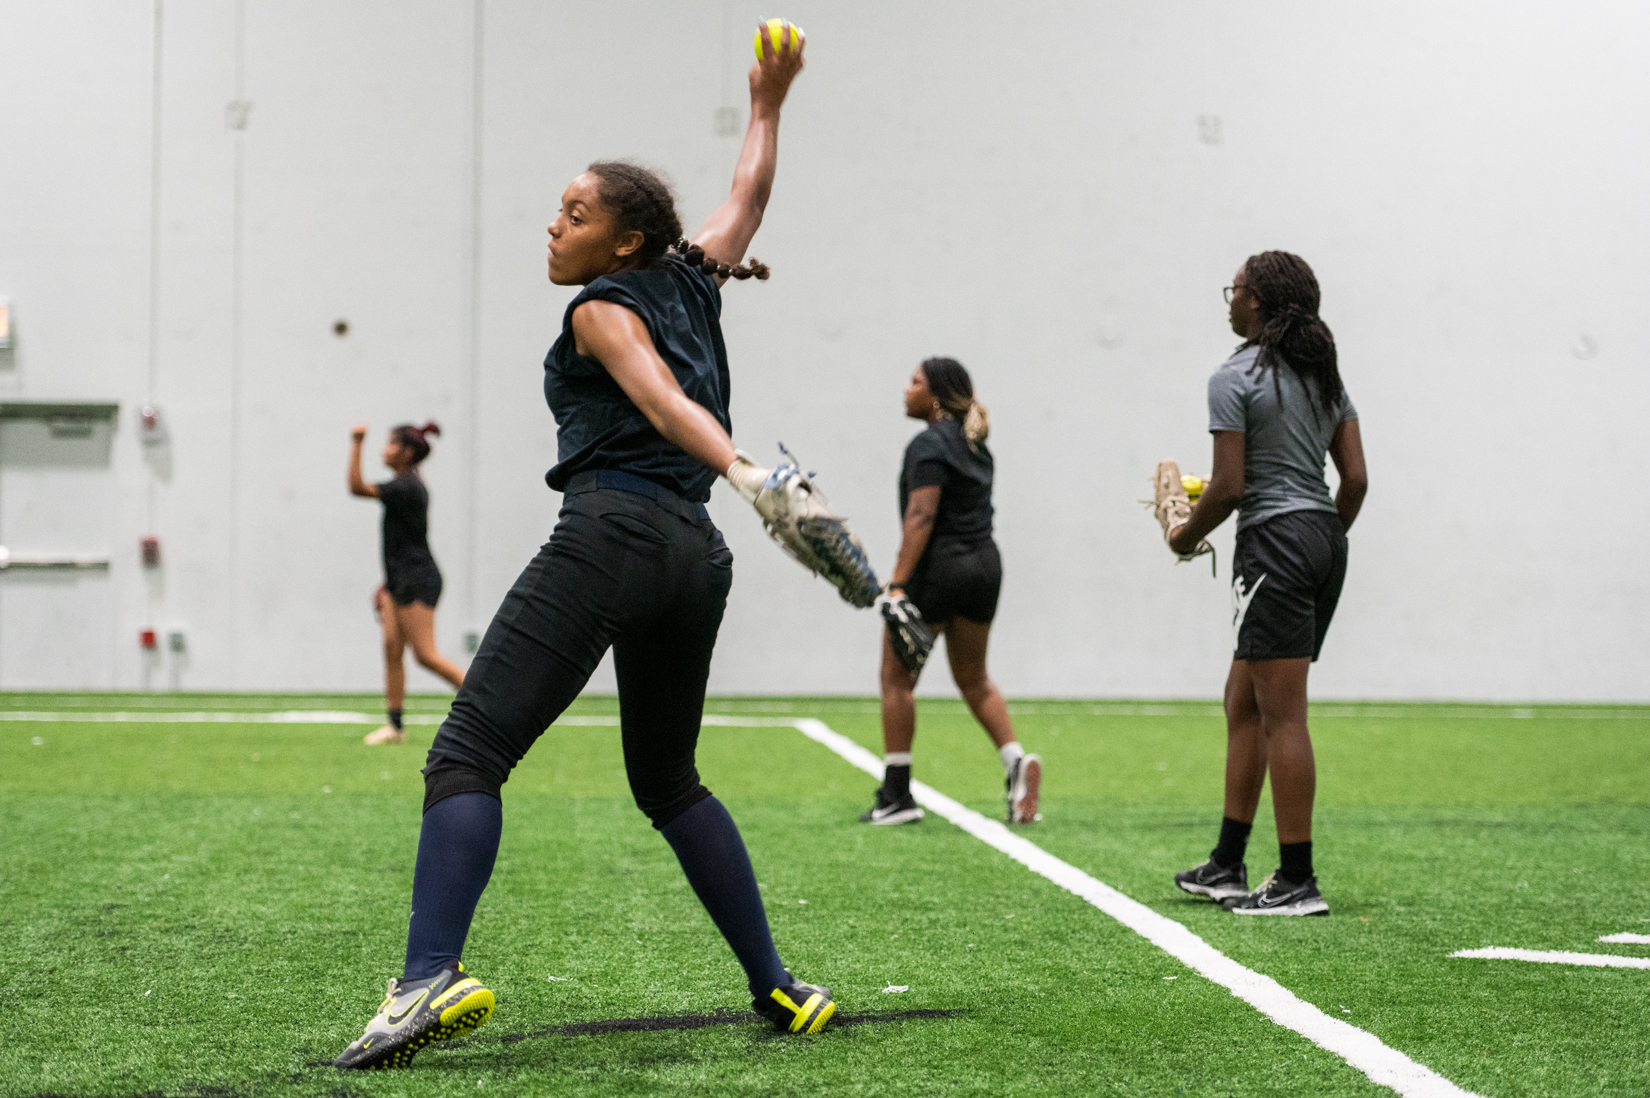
406, 524
941, 456
597, 426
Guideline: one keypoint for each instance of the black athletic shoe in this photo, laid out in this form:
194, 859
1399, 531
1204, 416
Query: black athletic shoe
416, 1012
886, 811
1215, 882
1276, 896
797, 1007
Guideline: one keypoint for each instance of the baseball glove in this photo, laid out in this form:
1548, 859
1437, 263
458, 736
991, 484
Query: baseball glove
907, 634
1172, 506
797, 516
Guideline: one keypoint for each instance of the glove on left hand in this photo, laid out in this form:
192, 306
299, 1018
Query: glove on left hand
908, 634
798, 517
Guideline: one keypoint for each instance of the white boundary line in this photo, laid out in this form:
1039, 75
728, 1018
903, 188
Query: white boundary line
290, 716
1555, 957
1627, 939
1363, 1050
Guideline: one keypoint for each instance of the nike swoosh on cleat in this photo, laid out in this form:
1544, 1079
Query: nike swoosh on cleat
397, 1019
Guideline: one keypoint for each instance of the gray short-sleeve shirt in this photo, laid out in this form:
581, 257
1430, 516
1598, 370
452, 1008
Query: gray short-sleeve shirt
1285, 444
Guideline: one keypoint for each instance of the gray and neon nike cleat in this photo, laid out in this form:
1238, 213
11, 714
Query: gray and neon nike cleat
416, 1012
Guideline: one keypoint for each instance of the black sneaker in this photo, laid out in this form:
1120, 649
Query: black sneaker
1216, 882
416, 1012
797, 1007
886, 811
1276, 896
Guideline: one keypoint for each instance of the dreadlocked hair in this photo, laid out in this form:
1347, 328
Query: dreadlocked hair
1291, 332
954, 390
696, 257
416, 438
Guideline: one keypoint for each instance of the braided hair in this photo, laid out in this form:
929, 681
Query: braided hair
640, 200
1291, 332
415, 438
953, 389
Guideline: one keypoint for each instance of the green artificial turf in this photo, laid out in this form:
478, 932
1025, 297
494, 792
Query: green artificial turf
212, 909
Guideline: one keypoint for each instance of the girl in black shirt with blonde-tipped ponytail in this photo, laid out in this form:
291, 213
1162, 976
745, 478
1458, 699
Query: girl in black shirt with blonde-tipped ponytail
950, 570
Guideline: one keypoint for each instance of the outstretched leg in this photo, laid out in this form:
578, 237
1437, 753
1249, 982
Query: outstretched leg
965, 647
662, 665
418, 626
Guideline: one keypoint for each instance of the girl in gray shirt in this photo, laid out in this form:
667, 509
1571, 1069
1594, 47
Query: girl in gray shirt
1277, 408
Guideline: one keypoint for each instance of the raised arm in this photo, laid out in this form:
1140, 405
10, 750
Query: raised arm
727, 233
617, 338
1220, 496
1347, 448
358, 486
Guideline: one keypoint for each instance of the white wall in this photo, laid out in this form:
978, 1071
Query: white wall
1025, 187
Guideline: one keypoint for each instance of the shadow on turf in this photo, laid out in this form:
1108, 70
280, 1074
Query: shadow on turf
678, 1022
717, 1018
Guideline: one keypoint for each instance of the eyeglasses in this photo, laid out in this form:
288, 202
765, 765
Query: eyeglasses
1229, 291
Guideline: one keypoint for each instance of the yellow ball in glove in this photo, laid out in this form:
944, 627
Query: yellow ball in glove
778, 41
1193, 486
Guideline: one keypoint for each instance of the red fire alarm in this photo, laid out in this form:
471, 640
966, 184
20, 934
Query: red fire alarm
146, 639
151, 551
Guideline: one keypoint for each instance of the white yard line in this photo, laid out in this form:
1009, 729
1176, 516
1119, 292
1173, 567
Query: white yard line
1556, 957
290, 716
1627, 939
1363, 1050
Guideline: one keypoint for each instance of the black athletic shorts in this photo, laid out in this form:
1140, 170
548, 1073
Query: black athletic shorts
419, 583
1286, 579
958, 580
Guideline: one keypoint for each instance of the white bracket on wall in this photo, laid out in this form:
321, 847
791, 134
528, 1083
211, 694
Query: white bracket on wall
64, 418
72, 562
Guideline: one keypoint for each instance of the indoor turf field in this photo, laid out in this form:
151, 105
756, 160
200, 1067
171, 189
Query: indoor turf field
209, 903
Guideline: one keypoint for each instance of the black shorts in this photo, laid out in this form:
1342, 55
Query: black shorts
418, 583
1286, 579
958, 581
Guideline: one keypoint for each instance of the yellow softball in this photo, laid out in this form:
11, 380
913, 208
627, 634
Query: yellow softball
1193, 486
774, 29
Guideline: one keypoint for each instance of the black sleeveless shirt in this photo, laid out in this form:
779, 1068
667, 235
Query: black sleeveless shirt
597, 425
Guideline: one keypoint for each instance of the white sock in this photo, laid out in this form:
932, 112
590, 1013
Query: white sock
1011, 753
897, 758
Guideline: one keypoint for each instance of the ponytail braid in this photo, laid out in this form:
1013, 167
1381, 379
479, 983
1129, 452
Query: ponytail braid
695, 257
416, 439
954, 390
1291, 332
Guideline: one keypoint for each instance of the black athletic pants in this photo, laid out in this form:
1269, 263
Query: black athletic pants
639, 571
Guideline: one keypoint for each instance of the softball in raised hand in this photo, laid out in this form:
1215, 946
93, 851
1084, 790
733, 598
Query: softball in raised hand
778, 41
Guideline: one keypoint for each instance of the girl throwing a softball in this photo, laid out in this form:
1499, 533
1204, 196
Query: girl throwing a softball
638, 382
1276, 408
405, 602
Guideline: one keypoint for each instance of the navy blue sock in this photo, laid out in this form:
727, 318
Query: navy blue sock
712, 854
456, 849
395, 716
